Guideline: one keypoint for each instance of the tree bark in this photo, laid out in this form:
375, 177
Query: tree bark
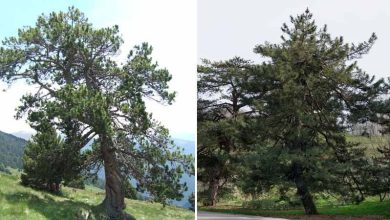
304, 192
114, 202
214, 186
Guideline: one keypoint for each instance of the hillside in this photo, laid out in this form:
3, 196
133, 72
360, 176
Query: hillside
11, 150
19, 202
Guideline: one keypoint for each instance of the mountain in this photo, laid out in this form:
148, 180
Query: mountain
11, 150
23, 134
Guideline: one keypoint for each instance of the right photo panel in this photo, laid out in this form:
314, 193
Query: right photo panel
293, 110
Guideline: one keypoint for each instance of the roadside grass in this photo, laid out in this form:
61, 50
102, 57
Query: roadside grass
370, 210
19, 202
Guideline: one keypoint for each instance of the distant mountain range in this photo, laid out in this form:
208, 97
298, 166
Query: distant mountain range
11, 150
12, 147
23, 134
189, 148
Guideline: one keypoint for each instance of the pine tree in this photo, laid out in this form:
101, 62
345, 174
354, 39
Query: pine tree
317, 90
46, 161
88, 96
221, 115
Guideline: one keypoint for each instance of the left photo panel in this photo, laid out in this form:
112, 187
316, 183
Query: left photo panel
98, 109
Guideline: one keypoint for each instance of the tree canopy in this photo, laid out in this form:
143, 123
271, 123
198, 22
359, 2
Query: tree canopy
85, 94
301, 102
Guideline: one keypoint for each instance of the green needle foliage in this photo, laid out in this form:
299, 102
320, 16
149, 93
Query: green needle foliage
318, 91
221, 117
88, 96
282, 123
47, 161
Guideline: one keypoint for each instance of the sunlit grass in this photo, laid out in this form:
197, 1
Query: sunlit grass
19, 202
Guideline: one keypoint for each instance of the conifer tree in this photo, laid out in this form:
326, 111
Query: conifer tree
221, 114
47, 162
88, 96
317, 90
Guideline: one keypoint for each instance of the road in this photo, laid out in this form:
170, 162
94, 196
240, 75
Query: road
219, 216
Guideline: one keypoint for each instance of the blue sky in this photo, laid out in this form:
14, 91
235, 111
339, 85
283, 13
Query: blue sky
169, 26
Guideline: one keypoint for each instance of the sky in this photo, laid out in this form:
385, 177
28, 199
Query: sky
169, 26
228, 28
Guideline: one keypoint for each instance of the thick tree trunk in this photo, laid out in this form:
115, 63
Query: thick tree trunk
114, 202
214, 186
303, 191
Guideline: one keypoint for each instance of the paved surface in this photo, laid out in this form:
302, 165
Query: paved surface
220, 216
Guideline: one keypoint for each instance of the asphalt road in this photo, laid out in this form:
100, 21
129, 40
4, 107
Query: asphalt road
220, 216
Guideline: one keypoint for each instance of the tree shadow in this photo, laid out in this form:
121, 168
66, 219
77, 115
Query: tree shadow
48, 207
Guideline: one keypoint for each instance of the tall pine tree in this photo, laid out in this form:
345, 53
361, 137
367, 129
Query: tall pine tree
317, 91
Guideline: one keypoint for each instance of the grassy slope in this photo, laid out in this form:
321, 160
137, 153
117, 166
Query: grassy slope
19, 202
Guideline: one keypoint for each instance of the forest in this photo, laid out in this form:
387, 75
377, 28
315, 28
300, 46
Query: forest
304, 132
11, 149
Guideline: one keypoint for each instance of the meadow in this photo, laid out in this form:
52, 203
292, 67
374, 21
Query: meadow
22, 203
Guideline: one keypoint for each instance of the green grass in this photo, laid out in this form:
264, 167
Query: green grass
370, 143
19, 202
369, 209
365, 210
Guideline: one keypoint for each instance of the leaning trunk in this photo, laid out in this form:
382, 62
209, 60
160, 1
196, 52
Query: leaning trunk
303, 192
214, 186
114, 202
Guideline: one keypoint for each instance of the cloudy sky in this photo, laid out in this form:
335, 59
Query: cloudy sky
169, 26
228, 28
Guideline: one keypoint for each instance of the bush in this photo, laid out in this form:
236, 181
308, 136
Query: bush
77, 183
269, 204
4, 169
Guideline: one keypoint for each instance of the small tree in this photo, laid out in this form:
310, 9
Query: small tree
191, 200
221, 114
378, 178
46, 162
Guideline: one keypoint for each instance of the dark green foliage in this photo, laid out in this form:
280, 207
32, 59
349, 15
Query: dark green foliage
47, 161
97, 182
317, 91
130, 191
376, 176
77, 182
86, 96
191, 200
11, 149
295, 111
221, 117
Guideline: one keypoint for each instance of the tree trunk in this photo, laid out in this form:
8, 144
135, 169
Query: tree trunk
214, 186
303, 191
114, 202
